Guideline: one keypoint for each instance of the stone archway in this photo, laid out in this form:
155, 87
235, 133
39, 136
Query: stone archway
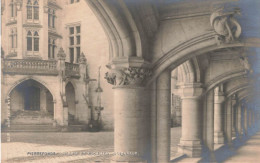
70, 97
31, 103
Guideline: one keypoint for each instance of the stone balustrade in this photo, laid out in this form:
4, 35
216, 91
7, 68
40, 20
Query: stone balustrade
22, 66
72, 69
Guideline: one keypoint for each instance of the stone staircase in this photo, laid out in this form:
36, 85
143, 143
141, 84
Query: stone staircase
37, 121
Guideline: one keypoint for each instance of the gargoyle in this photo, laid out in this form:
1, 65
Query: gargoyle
225, 25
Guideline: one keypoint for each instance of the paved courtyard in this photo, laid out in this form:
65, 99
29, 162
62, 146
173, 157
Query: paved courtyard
64, 147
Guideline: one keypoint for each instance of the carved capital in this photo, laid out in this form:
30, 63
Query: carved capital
225, 25
61, 54
128, 76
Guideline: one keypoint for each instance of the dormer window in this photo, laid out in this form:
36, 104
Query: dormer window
32, 10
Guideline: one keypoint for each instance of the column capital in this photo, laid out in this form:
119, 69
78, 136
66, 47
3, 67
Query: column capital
190, 90
128, 76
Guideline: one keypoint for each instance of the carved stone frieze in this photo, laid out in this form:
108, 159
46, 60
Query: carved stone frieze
225, 25
128, 76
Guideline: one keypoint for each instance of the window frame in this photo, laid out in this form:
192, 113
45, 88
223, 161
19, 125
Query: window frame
34, 42
34, 11
52, 18
73, 36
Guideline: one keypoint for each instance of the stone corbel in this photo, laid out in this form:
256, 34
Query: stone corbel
225, 25
45, 9
131, 76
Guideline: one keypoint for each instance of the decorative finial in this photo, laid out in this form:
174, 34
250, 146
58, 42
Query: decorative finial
61, 54
82, 59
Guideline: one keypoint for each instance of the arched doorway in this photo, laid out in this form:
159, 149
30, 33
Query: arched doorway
31, 103
70, 96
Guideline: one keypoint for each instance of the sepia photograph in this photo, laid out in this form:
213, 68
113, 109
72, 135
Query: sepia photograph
130, 81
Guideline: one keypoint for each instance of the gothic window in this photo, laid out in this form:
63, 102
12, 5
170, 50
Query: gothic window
13, 9
33, 41
74, 43
13, 38
32, 10
52, 48
51, 18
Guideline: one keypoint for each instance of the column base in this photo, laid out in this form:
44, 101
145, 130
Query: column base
192, 148
218, 138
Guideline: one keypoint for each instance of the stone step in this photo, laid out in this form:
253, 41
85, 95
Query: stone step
43, 128
31, 128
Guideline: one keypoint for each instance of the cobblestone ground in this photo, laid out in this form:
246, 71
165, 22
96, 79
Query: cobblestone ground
68, 147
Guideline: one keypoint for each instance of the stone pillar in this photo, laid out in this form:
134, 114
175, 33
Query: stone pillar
233, 107
245, 120
43, 100
61, 109
249, 118
239, 120
218, 115
190, 142
153, 122
163, 116
210, 123
82, 110
229, 121
131, 114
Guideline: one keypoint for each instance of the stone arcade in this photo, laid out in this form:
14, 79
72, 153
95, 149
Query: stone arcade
201, 45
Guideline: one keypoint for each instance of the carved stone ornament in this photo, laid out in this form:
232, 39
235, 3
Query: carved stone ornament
225, 25
244, 61
19, 4
82, 59
128, 76
61, 54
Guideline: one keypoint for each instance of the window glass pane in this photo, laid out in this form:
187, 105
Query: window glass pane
36, 44
29, 44
78, 40
71, 55
35, 2
36, 13
29, 2
12, 10
78, 54
29, 33
78, 29
49, 20
36, 34
53, 51
53, 21
29, 12
71, 30
71, 40
49, 51
12, 40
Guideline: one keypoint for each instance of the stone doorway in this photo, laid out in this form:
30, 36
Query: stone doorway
70, 96
32, 98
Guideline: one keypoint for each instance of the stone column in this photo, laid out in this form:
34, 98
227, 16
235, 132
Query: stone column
245, 120
218, 115
233, 107
210, 123
163, 116
229, 121
190, 142
131, 114
249, 118
239, 120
